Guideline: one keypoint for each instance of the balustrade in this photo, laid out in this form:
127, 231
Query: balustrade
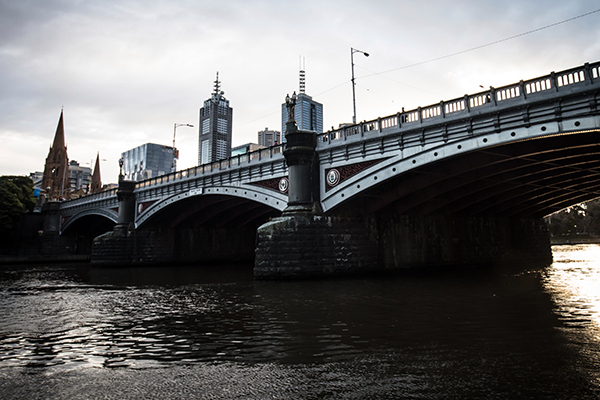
454, 106
508, 93
538, 86
489, 98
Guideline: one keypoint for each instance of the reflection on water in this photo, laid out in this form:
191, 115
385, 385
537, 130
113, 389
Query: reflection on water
170, 332
574, 282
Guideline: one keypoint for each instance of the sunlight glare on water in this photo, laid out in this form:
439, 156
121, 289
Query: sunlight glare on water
574, 280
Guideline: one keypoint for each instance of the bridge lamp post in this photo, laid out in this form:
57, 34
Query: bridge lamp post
352, 51
174, 132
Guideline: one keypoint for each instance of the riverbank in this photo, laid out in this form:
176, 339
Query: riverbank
35, 259
574, 239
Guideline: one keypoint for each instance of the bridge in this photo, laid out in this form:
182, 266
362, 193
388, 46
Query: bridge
514, 153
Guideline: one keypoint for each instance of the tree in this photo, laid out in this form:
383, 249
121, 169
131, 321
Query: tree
16, 198
579, 219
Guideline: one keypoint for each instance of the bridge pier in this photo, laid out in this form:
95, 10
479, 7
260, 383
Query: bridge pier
302, 242
301, 246
51, 242
117, 246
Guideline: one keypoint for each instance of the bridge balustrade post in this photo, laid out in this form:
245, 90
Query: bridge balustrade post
554, 80
493, 95
523, 89
588, 72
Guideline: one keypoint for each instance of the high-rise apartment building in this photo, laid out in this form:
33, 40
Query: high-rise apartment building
269, 138
79, 177
215, 128
307, 112
147, 161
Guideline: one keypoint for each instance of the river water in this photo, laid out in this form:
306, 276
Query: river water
71, 332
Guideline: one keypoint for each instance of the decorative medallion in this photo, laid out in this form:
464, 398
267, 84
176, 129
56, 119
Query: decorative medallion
333, 177
284, 185
141, 207
274, 184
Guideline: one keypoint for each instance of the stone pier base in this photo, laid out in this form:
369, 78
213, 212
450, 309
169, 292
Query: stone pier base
308, 245
126, 246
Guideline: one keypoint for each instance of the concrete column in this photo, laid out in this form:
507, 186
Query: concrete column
126, 205
299, 153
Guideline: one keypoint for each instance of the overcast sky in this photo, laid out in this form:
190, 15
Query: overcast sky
127, 71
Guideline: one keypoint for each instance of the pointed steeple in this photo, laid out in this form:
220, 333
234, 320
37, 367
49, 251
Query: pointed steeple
59, 136
56, 170
96, 181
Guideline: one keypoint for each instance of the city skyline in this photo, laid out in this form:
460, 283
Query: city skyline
126, 71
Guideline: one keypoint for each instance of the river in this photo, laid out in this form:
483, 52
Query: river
71, 332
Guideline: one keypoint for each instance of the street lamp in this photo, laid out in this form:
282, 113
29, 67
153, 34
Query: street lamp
352, 51
174, 132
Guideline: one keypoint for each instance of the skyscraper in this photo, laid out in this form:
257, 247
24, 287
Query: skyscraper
268, 138
307, 112
215, 128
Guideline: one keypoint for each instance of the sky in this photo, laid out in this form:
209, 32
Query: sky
125, 71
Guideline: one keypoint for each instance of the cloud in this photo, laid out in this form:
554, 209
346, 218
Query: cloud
126, 71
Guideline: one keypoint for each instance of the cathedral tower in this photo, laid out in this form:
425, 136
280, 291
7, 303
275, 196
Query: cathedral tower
56, 171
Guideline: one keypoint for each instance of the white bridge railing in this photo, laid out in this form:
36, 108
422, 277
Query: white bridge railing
587, 74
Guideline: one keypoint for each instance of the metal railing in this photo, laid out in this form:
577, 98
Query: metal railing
587, 74
237, 161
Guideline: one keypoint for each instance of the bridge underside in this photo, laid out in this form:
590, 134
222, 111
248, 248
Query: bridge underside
82, 231
215, 211
198, 229
530, 178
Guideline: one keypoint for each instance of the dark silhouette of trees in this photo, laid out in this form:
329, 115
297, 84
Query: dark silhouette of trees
581, 219
16, 199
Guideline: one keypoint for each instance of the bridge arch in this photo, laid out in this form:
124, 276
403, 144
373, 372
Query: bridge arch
109, 215
526, 172
245, 194
83, 227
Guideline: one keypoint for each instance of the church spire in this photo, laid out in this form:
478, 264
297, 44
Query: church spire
56, 171
96, 181
59, 136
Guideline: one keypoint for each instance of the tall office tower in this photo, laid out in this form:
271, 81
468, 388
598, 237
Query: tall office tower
147, 161
269, 138
56, 170
215, 131
307, 112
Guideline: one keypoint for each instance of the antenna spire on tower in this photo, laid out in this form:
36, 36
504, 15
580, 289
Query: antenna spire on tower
217, 85
302, 76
